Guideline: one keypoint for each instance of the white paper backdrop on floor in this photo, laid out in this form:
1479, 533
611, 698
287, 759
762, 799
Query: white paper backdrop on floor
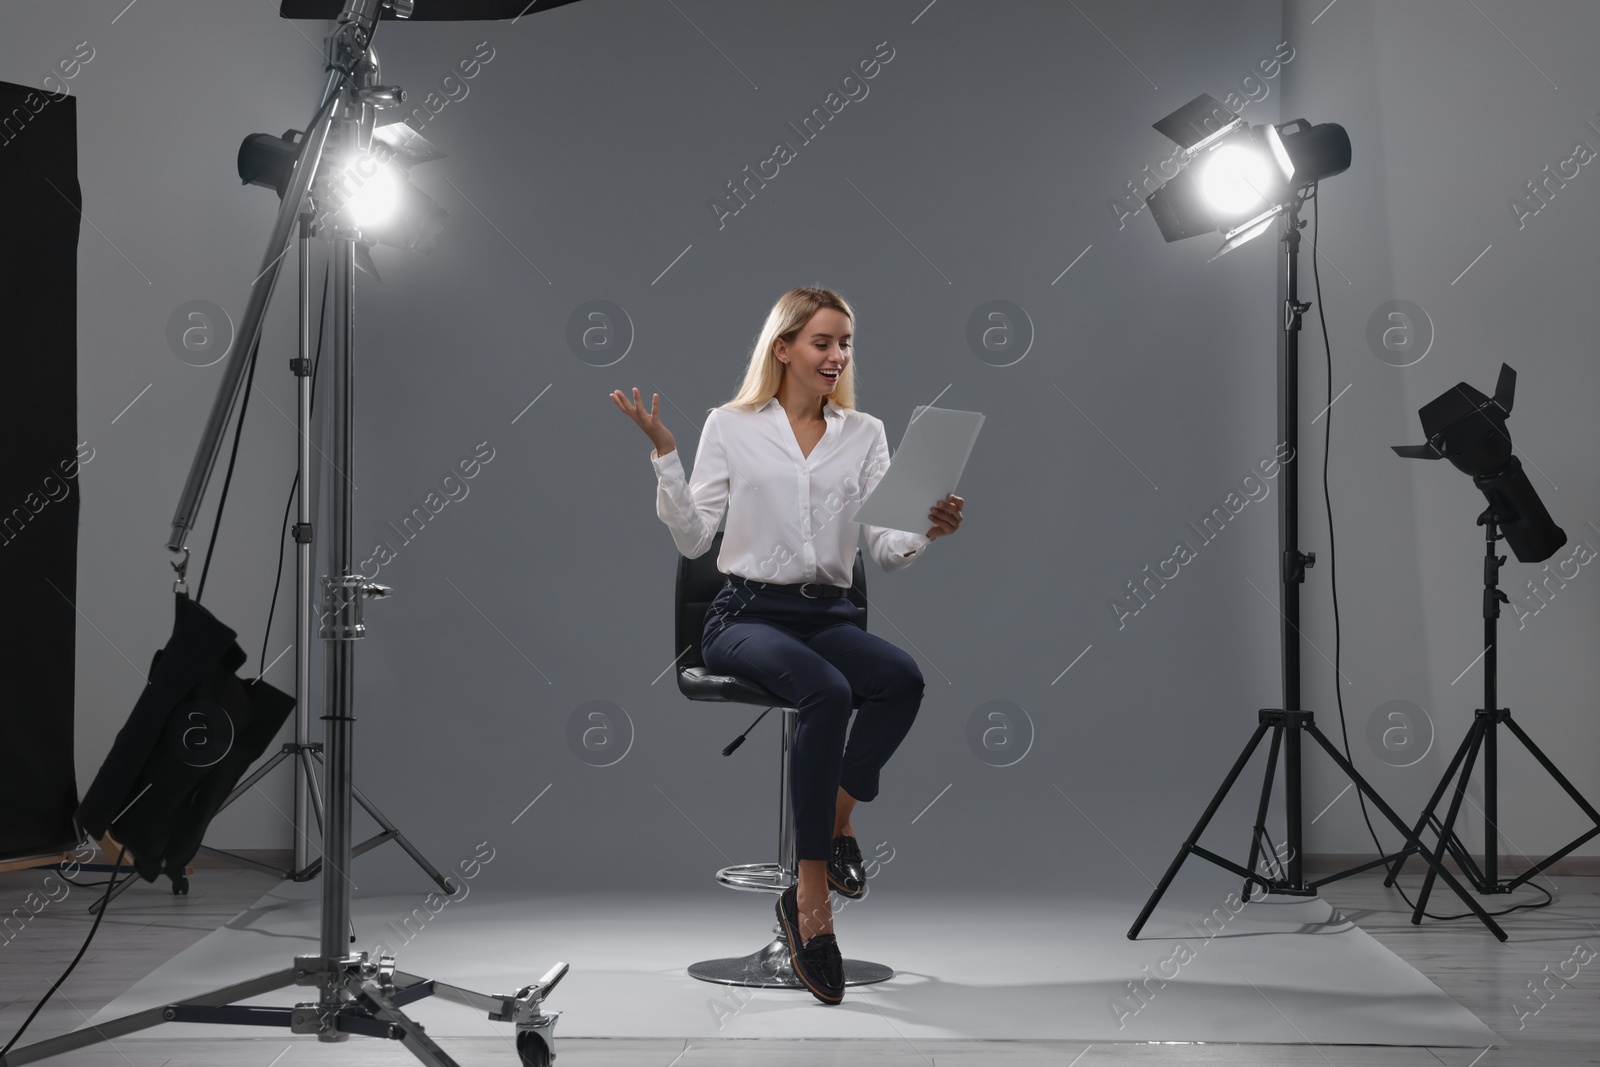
973, 965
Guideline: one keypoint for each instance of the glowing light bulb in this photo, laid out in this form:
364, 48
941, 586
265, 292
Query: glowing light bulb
1234, 179
377, 196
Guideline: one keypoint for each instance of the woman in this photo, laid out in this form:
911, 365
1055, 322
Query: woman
791, 458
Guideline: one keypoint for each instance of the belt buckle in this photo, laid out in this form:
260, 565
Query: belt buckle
809, 596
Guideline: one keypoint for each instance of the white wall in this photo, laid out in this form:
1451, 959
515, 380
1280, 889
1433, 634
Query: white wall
1450, 114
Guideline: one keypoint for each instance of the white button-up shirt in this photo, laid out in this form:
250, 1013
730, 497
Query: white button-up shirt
790, 516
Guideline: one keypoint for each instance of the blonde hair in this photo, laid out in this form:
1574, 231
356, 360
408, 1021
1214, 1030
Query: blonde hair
786, 319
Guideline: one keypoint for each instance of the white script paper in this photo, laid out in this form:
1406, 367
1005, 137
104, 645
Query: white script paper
926, 467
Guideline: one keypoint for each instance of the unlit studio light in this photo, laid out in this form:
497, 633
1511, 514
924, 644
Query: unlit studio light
1469, 429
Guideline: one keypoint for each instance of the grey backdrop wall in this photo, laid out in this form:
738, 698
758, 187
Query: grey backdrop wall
987, 161
980, 165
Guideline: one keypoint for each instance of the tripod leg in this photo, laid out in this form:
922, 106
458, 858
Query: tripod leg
312, 789
143, 1020
260, 772
1411, 838
1561, 780
444, 884
370, 995
246, 861
1199, 827
1428, 812
389, 831
1447, 831
1260, 828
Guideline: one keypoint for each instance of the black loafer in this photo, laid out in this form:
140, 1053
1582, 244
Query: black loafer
818, 962
845, 875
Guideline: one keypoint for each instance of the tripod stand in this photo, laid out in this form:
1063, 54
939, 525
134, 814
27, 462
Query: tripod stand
356, 995
1290, 722
1482, 736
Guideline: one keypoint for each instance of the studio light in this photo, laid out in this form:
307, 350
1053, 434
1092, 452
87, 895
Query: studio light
1469, 429
1236, 178
1240, 179
370, 190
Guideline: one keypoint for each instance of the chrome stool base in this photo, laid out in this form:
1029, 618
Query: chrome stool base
756, 877
770, 968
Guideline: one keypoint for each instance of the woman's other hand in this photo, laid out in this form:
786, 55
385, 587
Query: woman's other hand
649, 421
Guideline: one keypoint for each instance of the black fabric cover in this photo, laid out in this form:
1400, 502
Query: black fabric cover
39, 471
151, 793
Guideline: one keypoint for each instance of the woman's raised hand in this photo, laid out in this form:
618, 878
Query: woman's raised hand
649, 421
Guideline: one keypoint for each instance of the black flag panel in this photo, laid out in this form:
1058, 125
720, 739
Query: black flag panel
39, 472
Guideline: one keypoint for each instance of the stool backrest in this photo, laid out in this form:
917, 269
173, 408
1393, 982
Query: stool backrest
699, 581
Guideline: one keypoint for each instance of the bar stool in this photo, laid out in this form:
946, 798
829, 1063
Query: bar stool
698, 583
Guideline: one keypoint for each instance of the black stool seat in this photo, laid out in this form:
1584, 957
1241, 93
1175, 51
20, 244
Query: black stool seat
700, 683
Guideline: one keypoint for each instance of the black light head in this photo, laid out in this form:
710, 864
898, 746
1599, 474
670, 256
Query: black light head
1314, 152
1469, 429
268, 161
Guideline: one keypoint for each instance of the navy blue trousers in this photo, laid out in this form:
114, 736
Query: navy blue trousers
812, 653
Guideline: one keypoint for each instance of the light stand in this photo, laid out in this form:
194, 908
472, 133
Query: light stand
302, 750
355, 995
1289, 722
1469, 428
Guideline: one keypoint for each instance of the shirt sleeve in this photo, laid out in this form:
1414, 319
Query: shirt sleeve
693, 509
887, 545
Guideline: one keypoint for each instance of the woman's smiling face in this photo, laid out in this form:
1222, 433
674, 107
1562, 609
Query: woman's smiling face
823, 344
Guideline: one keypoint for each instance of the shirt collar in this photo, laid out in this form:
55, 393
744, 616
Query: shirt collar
830, 408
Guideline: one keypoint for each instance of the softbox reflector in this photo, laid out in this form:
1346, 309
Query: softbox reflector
192, 734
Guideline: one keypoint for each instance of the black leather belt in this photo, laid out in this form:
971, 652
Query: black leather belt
811, 590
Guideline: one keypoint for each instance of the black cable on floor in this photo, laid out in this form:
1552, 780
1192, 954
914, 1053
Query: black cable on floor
81, 885
104, 900
1333, 581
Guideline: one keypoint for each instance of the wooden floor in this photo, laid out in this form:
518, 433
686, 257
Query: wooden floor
148, 926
